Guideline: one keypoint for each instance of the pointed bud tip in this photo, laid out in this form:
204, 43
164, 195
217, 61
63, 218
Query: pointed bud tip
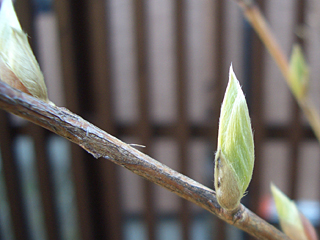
18, 65
8, 14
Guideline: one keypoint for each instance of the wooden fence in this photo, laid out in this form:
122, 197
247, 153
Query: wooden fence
153, 73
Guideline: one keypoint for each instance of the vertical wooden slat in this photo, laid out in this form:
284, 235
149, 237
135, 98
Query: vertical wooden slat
257, 123
144, 128
257, 114
46, 188
25, 13
26, 16
66, 21
100, 69
182, 130
218, 89
67, 48
295, 136
85, 100
295, 128
20, 227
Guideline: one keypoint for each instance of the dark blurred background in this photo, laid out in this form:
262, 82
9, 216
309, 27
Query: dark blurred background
153, 72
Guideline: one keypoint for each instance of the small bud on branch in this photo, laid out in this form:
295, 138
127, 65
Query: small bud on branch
293, 222
235, 155
18, 66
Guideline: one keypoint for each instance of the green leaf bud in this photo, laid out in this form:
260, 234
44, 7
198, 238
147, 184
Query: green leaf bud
292, 222
235, 154
299, 73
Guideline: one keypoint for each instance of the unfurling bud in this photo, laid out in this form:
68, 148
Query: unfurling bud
235, 154
299, 73
293, 223
18, 66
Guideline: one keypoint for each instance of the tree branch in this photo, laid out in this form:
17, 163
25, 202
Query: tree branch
100, 144
260, 25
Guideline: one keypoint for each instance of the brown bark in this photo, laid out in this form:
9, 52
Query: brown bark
101, 144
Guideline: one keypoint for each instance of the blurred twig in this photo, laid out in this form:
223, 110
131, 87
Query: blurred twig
258, 22
100, 144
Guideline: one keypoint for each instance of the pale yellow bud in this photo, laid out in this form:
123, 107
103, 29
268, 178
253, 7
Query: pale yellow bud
18, 65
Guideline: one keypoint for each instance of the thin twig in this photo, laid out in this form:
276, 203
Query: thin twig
258, 22
100, 144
